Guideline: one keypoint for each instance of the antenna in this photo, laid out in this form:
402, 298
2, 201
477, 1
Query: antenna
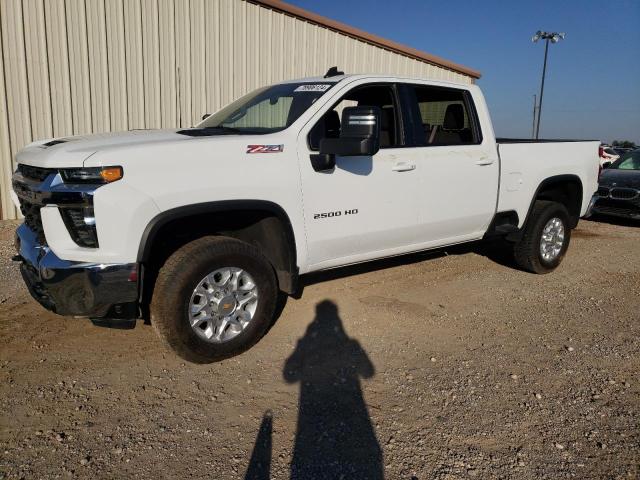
333, 72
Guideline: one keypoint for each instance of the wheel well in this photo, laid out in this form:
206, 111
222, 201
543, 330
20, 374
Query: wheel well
268, 230
565, 189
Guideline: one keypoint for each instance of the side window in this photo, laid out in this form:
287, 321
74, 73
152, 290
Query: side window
446, 117
370, 95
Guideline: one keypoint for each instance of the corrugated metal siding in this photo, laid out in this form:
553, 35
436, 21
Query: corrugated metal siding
5, 151
82, 66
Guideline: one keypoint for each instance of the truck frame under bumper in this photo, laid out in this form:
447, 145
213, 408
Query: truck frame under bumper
76, 288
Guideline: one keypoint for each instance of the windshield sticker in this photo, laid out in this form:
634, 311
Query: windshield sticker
265, 148
319, 87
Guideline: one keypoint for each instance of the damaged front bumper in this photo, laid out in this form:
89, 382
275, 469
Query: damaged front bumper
76, 288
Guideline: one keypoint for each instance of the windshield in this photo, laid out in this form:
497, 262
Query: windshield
268, 109
628, 161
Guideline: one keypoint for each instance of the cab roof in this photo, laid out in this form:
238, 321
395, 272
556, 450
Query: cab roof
355, 76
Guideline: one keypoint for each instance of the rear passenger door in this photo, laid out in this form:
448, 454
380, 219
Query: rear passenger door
458, 171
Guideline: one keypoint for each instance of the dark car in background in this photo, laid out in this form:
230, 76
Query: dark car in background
621, 150
619, 188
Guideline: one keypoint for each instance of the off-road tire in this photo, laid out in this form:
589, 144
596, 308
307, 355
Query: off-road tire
179, 276
527, 251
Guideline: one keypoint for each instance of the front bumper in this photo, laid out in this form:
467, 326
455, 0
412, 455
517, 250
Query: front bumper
616, 207
76, 288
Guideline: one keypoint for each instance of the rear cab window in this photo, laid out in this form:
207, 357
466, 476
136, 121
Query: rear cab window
441, 116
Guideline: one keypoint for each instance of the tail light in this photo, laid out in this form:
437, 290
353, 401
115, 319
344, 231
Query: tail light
601, 152
133, 276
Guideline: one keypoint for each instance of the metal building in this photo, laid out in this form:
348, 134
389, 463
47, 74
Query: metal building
71, 67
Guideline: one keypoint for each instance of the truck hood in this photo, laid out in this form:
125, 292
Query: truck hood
621, 178
73, 151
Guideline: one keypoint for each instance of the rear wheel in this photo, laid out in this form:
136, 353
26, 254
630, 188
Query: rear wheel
545, 239
214, 298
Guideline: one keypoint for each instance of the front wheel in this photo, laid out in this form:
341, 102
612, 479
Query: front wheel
214, 298
545, 239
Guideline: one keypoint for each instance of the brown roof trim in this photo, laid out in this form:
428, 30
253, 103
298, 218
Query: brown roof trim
364, 36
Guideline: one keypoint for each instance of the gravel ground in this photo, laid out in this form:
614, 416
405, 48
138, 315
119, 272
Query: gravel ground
10, 278
445, 365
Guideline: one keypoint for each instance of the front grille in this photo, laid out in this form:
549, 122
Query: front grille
75, 205
81, 225
624, 193
603, 192
35, 173
33, 220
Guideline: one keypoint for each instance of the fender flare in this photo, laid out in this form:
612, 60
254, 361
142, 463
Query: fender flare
156, 223
551, 180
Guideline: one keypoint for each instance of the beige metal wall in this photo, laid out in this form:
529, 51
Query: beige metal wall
70, 67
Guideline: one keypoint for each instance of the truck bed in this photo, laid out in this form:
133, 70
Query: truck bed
525, 164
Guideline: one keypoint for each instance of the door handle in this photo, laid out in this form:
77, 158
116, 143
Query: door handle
403, 167
484, 161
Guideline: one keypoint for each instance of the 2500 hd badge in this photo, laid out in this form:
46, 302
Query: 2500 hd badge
353, 211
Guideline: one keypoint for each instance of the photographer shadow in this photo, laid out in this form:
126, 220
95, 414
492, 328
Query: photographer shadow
334, 437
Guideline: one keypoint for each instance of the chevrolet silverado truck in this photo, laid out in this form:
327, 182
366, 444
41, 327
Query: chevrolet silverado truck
202, 230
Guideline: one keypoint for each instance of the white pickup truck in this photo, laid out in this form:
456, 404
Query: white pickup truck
202, 229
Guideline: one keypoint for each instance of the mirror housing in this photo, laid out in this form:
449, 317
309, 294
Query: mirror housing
205, 116
359, 133
323, 162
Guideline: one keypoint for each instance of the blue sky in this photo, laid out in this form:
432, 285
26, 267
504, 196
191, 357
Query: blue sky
592, 89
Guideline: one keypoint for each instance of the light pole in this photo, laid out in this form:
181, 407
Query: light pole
554, 37
535, 109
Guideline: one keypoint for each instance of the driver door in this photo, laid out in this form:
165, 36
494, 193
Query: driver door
366, 207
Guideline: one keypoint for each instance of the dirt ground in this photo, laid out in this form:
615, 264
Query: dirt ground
445, 365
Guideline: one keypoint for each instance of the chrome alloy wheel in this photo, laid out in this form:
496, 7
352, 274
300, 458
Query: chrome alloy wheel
552, 239
223, 304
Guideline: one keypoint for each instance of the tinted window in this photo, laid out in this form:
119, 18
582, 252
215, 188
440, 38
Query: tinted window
445, 116
628, 161
371, 95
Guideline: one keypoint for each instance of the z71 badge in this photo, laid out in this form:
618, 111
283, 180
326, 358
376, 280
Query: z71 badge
265, 148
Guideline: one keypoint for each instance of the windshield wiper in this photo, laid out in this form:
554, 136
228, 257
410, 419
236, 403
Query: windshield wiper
224, 128
207, 131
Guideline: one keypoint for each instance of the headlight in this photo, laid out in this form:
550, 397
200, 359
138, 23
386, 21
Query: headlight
95, 175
